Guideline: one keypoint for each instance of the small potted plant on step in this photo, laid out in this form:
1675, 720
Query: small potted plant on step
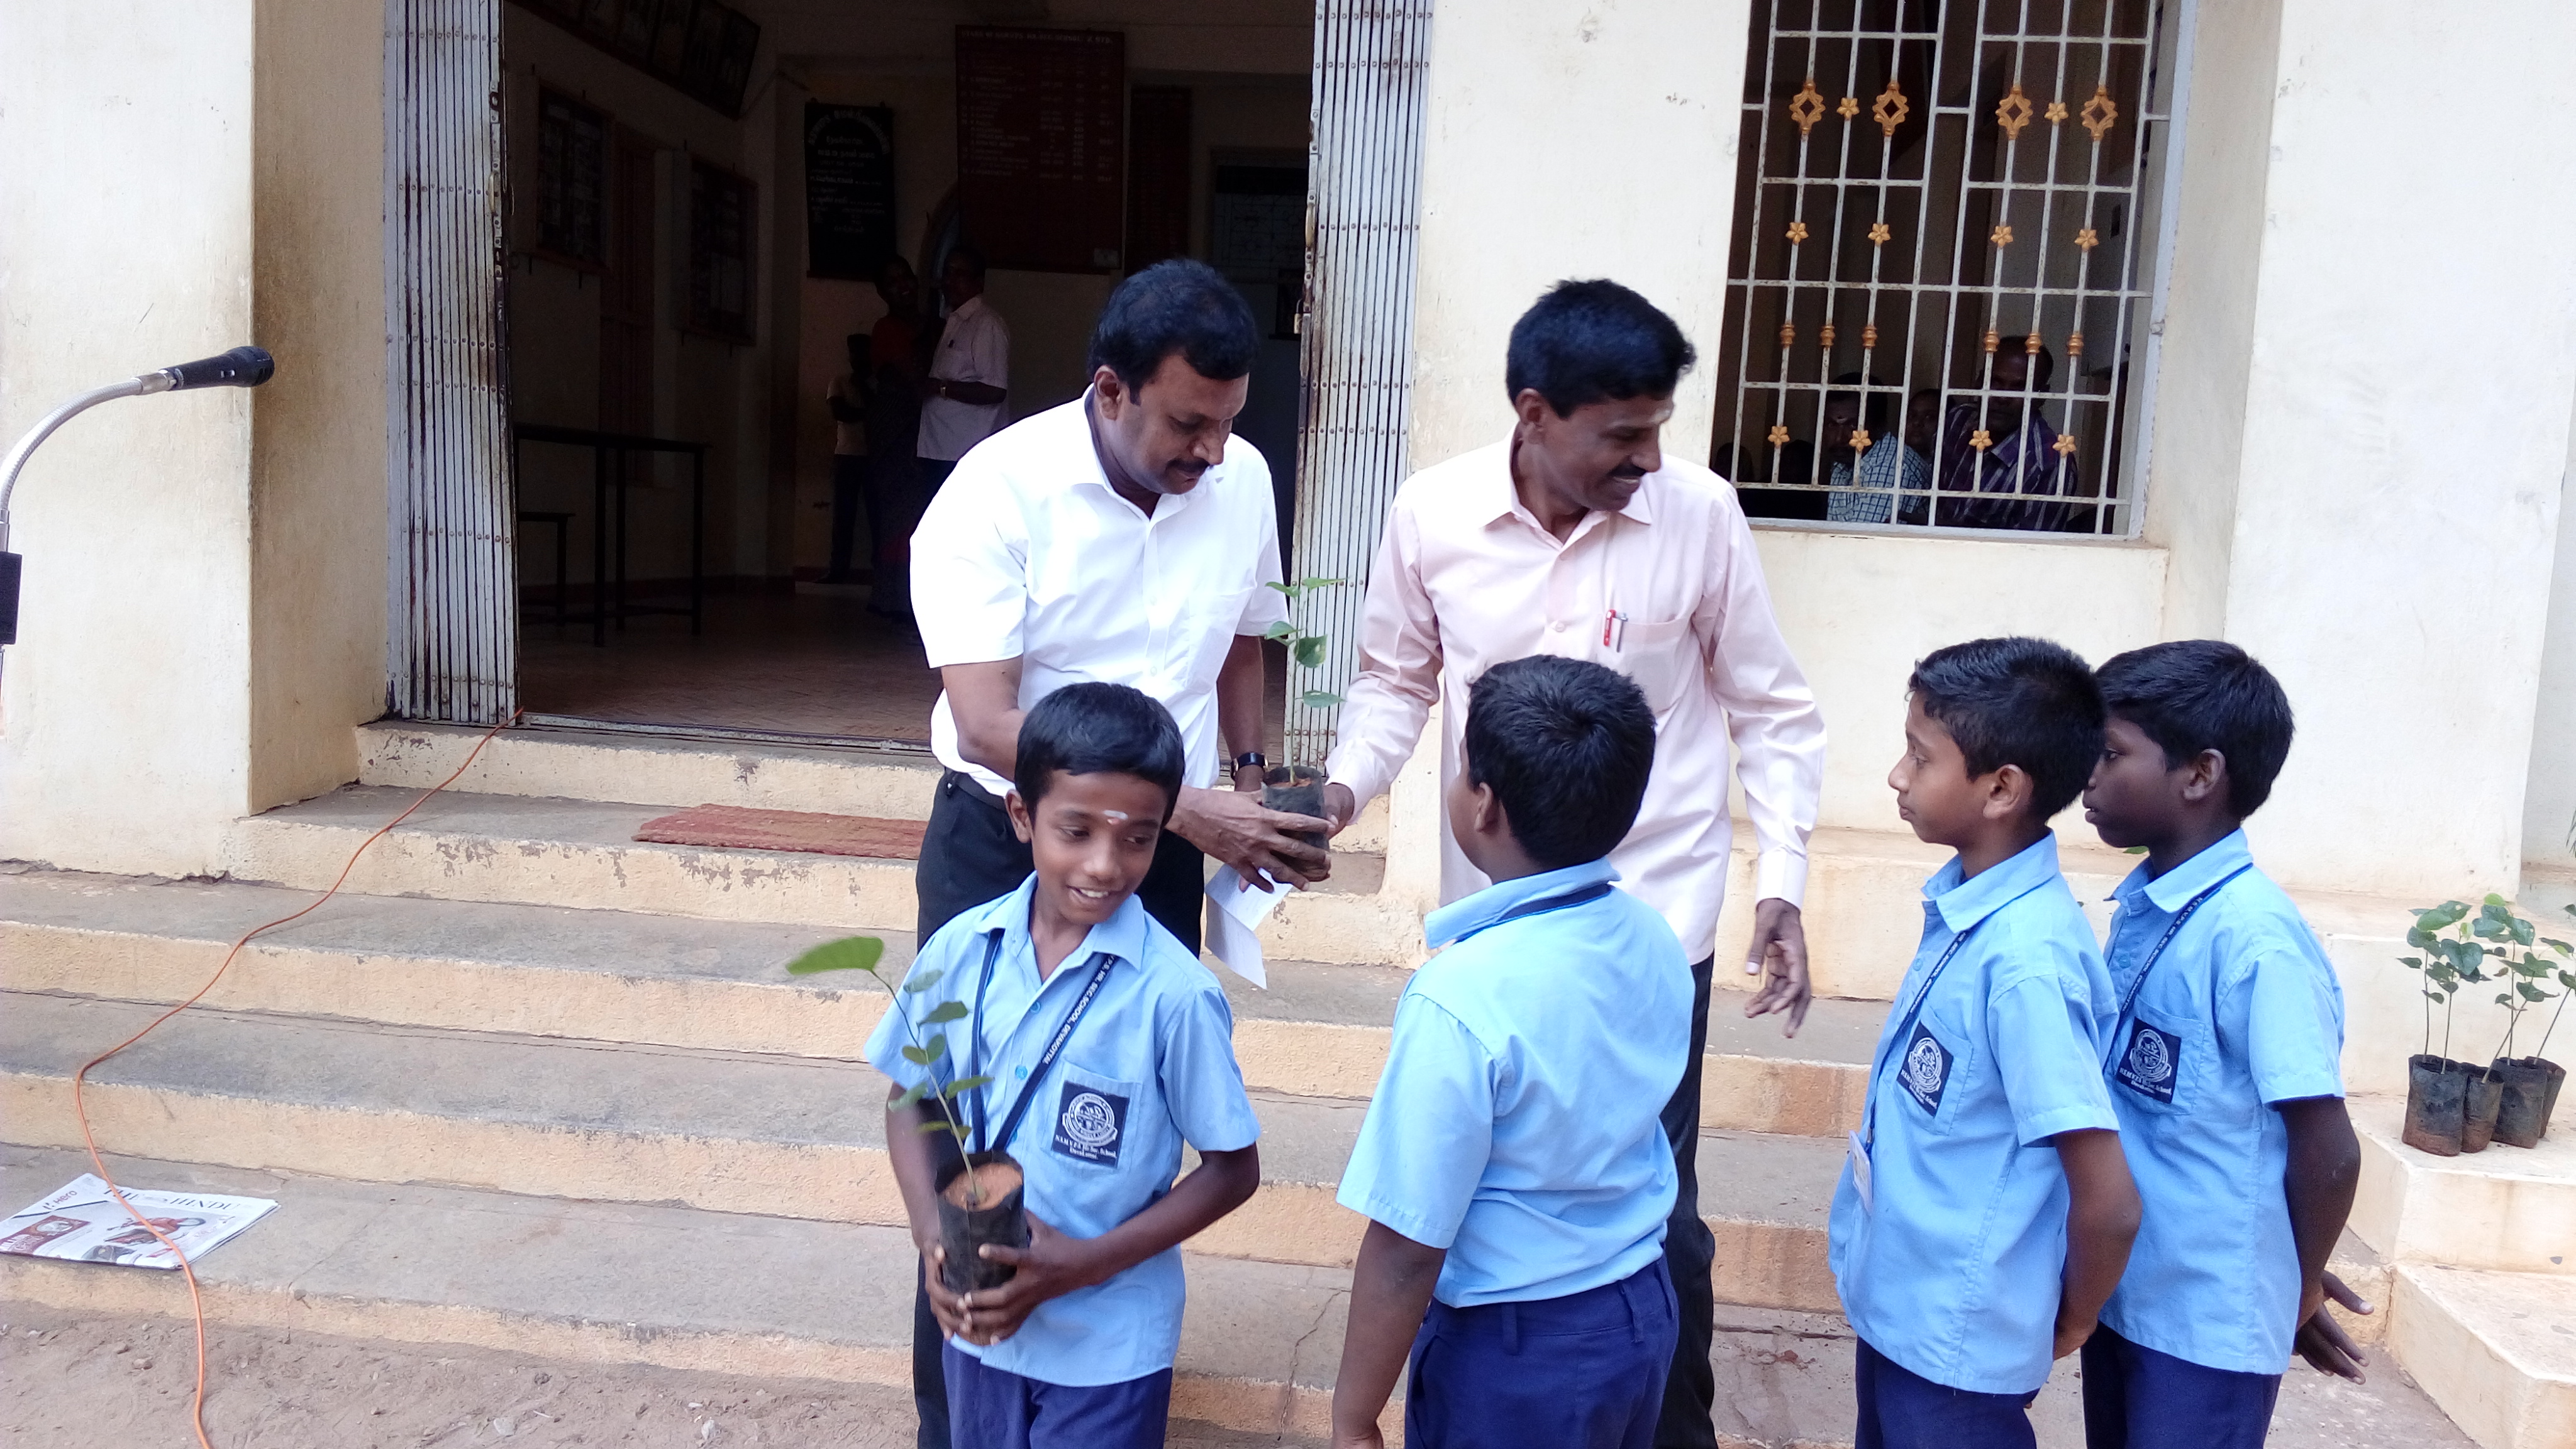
2530, 1084
1293, 788
2437, 1088
979, 1191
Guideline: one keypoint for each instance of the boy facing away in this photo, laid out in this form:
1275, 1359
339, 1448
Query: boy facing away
1513, 1165
1108, 1045
1984, 1212
2223, 1063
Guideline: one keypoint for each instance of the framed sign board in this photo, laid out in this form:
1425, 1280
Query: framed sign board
1042, 146
572, 181
723, 228
849, 190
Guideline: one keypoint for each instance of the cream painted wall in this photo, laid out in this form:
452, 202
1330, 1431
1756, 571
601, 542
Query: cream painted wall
1570, 141
125, 709
2399, 594
2549, 801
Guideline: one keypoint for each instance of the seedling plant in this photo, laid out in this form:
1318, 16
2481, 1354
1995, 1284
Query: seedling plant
867, 953
2465, 945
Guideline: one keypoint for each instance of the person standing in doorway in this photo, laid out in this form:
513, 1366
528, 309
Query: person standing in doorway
1126, 537
970, 371
1578, 536
878, 400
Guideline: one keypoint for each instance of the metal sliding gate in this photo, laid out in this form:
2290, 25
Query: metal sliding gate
452, 622
1363, 219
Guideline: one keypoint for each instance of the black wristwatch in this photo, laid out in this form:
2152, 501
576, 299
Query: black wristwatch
1255, 759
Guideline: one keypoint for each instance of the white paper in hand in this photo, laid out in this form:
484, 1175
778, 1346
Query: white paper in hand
1234, 910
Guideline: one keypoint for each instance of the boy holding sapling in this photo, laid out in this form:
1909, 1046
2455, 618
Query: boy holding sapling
1985, 1212
2223, 1064
1513, 1165
1101, 1045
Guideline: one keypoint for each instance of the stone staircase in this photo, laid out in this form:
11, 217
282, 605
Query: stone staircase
529, 1084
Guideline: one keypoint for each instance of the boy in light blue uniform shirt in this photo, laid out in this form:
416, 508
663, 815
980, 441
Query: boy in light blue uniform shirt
1984, 1211
1107, 1046
2224, 1064
1513, 1165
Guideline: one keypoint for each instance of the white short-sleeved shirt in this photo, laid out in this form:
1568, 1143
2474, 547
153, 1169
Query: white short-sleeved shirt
1028, 554
1954, 1269
1518, 1122
2242, 1012
1149, 1067
975, 346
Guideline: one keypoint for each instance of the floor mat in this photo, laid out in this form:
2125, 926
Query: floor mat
738, 827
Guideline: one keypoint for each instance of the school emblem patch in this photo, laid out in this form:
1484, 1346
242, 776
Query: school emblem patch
1090, 1124
1925, 1072
2151, 1063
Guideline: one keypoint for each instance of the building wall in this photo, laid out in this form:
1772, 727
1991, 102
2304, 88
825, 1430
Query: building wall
125, 708
2549, 804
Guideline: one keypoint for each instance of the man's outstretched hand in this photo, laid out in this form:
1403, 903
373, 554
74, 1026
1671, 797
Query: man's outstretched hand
1232, 826
1779, 954
2322, 1341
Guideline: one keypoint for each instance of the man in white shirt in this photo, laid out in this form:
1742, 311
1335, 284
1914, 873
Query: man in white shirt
1128, 537
970, 372
1578, 536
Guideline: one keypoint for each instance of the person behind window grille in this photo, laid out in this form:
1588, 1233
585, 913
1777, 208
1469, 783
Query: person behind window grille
1887, 465
2021, 458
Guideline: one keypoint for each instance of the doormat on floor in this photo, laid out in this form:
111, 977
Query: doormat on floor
738, 827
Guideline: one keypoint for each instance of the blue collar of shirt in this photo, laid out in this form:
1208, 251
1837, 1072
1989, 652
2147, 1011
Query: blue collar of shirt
2174, 889
1963, 903
1121, 936
1485, 907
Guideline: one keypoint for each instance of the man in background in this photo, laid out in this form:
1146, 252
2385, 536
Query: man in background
970, 373
2009, 450
879, 400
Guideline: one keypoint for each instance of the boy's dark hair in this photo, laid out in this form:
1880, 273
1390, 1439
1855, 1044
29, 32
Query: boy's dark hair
1566, 746
2017, 701
2205, 694
1098, 729
1591, 341
1181, 306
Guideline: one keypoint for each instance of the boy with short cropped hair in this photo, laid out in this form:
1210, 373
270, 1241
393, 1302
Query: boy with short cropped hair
2224, 1065
1513, 1165
1107, 1046
1984, 1212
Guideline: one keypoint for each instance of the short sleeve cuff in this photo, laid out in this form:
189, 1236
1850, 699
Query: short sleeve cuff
1399, 1218
1781, 874
2041, 1126
2300, 1087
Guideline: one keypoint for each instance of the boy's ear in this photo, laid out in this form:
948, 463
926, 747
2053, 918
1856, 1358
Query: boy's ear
2007, 790
1023, 824
1486, 815
2204, 776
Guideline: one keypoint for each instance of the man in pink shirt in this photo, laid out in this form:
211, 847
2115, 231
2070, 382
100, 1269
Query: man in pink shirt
1577, 536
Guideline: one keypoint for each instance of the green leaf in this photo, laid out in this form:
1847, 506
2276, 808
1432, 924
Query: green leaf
1318, 581
2412, 963
968, 1084
850, 953
1281, 630
2420, 939
923, 980
2523, 934
2496, 900
2530, 992
945, 1012
1318, 699
2561, 947
2433, 996
912, 1095
960, 1129
1287, 589
924, 1056
2135, 850
2448, 913
1309, 651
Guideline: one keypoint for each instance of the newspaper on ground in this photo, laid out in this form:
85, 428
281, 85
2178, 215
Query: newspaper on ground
81, 1223
1235, 909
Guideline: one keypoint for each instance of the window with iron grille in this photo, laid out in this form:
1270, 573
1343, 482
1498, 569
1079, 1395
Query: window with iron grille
1944, 257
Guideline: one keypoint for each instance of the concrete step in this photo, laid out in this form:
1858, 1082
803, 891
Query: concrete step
627, 1283
2497, 1351
620, 976
2507, 1209
583, 853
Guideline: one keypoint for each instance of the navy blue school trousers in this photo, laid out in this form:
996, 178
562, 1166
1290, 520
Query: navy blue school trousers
989, 1408
1585, 1371
1901, 1409
2136, 1397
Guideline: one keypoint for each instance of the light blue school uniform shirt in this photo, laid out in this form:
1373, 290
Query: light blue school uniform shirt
2240, 1012
1150, 1066
1518, 1122
1954, 1270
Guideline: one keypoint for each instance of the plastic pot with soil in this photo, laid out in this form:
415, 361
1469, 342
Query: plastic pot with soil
2482, 1099
2436, 1099
979, 1203
1297, 790
2529, 1095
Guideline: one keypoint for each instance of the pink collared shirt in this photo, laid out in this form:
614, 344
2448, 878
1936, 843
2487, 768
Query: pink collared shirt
1667, 591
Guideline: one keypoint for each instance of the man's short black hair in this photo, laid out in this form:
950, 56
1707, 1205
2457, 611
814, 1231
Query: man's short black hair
1595, 341
1098, 729
1872, 406
2017, 701
2205, 694
1567, 746
1181, 306
971, 255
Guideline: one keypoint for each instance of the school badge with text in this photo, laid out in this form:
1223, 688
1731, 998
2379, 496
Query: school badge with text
2149, 1065
1925, 1072
1089, 1124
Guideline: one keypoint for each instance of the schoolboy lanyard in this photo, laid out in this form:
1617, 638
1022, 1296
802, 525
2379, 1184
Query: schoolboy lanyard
1541, 907
1054, 1046
1905, 1028
2173, 928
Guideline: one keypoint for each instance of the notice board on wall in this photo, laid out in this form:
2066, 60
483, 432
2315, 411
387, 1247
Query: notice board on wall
718, 296
1041, 146
849, 190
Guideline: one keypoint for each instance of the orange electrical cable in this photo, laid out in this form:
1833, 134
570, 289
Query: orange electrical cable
80, 1079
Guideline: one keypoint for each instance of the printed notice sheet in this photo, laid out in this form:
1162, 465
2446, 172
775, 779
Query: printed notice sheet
81, 1223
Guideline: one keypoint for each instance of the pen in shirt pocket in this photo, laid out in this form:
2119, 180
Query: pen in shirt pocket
1614, 630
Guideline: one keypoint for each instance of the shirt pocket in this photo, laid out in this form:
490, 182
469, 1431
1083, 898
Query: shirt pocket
2161, 1062
1663, 658
1092, 1121
1937, 1068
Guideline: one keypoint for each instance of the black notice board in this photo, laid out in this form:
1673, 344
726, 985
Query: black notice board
1042, 146
849, 190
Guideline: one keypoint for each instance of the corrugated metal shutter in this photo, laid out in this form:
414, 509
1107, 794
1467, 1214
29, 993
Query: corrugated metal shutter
1363, 208
453, 621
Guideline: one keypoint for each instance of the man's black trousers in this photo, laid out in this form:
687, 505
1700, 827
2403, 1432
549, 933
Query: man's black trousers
1690, 1249
969, 855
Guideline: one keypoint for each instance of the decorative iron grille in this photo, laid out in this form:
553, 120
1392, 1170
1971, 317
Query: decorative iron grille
1943, 263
